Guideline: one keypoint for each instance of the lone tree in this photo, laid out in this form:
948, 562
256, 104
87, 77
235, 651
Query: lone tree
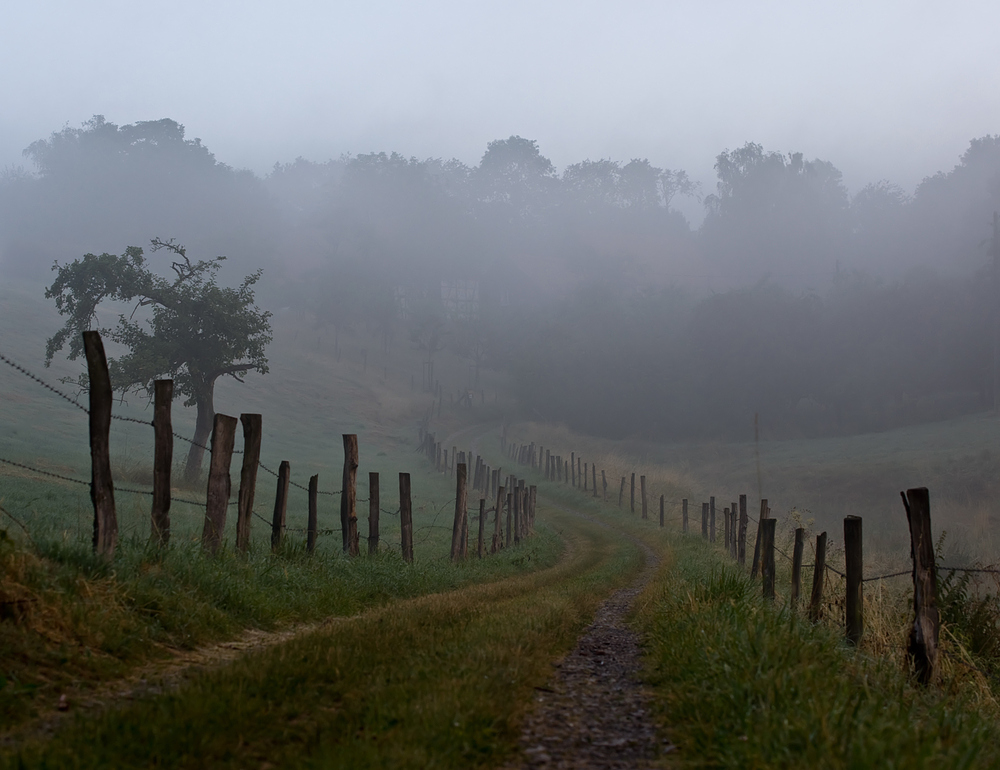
197, 331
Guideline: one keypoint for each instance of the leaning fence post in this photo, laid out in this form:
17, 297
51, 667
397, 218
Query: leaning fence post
819, 573
280, 505
248, 479
855, 599
922, 647
767, 564
405, 518
312, 523
800, 536
373, 512
102, 490
460, 504
349, 494
163, 460
219, 482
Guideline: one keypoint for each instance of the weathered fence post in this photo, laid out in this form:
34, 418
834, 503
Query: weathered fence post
604, 486
632, 495
734, 517
854, 602
374, 510
497, 513
819, 573
726, 529
509, 535
460, 506
518, 514
661, 511
219, 482
741, 545
767, 565
312, 523
482, 528
163, 460
280, 505
704, 521
585, 485
642, 493
248, 479
102, 490
621, 492
349, 495
711, 519
800, 537
756, 547
922, 648
405, 518
684, 515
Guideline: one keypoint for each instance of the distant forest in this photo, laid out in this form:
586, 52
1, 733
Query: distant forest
824, 312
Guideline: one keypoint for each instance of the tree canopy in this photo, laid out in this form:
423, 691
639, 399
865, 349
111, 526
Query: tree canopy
194, 330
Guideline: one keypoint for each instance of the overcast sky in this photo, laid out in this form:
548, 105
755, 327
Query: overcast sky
882, 89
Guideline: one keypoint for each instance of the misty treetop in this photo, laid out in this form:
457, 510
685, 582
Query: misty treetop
590, 285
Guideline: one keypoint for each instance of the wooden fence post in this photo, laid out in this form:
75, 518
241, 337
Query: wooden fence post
532, 500
642, 494
756, 547
518, 514
593, 474
405, 518
312, 523
349, 495
280, 505
800, 537
497, 542
604, 486
559, 468
725, 526
480, 544
741, 545
632, 495
819, 573
734, 516
163, 460
508, 535
460, 505
704, 521
711, 519
854, 602
374, 511
585, 477
922, 647
248, 479
572, 465
661, 511
219, 482
684, 515
102, 490
767, 563
621, 492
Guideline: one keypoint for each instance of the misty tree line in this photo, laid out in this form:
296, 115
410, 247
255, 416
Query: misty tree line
831, 313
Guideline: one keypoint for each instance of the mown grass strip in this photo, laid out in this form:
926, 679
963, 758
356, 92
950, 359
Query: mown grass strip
440, 680
743, 684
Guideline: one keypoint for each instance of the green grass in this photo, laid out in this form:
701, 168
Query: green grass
441, 680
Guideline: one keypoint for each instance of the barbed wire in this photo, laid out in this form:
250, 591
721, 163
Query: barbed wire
44, 473
42, 382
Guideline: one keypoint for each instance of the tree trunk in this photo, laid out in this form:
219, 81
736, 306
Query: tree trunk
205, 403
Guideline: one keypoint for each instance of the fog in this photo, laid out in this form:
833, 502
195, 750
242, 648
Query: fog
686, 216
